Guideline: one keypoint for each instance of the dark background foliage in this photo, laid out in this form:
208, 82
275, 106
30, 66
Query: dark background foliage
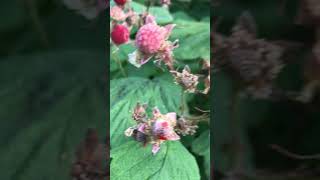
258, 124
52, 87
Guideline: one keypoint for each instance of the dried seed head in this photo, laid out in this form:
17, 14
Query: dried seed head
155, 130
256, 62
166, 53
206, 66
129, 131
185, 127
132, 18
139, 112
207, 85
187, 80
313, 6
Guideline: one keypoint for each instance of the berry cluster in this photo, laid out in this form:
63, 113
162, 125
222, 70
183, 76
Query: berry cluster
151, 39
159, 128
123, 18
189, 82
152, 43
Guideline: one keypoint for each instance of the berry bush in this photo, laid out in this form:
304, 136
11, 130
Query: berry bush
160, 86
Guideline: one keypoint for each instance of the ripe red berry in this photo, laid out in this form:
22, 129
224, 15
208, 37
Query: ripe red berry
120, 2
120, 34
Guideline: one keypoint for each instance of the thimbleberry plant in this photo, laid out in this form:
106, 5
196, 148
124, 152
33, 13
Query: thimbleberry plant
159, 91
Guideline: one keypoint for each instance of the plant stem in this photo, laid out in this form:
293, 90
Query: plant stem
118, 61
38, 26
237, 147
182, 103
149, 4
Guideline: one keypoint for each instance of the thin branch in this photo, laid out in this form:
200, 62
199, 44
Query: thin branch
204, 111
38, 26
292, 155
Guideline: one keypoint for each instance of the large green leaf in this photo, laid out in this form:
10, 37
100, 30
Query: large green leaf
133, 162
194, 40
48, 102
124, 95
129, 159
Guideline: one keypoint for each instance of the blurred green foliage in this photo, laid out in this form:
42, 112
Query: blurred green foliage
52, 87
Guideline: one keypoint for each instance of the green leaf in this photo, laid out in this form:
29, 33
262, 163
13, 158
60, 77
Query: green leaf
162, 15
124, 50
129, 159
181, 15
201, 146
119, 53
48, 102
133, 162
194, 40
148, 70
124, 95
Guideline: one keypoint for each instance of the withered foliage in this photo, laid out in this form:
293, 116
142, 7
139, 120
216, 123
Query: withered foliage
91, 159
256, 62
309, 12
309, 15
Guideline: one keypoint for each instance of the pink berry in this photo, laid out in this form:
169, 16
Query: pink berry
120, 34
120, 2
150, 37
117, 13
165, 2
